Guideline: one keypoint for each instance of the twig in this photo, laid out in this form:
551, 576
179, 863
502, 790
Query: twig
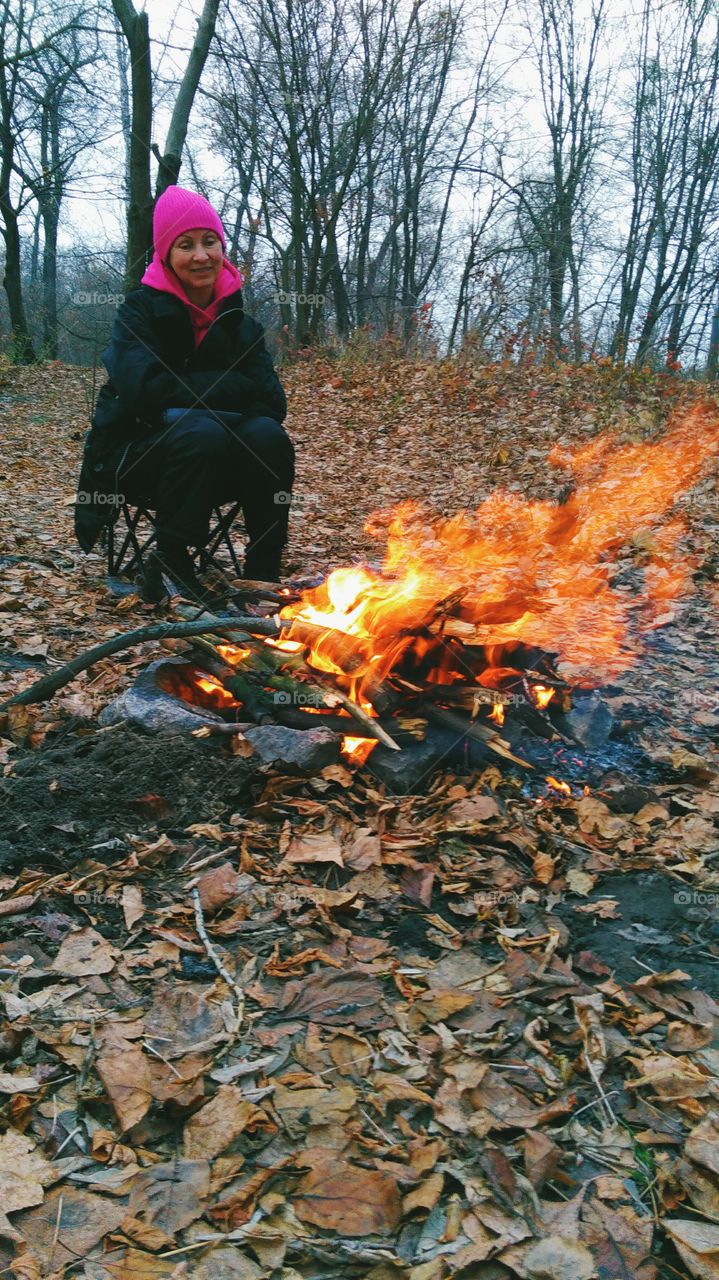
45, 688
600, 1089
372, 727
214, 957
56, 1236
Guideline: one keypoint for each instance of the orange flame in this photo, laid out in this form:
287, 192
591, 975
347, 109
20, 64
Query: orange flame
232, 653
557, 785
535, 573
497, 713
543, 695
209, 685
357, 749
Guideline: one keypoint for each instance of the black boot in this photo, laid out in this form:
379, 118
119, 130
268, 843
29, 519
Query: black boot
171, 572
262, 564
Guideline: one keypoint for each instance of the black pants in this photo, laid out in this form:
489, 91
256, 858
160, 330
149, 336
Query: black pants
207, 458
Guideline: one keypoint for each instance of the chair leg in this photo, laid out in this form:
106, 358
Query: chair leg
118, 560
220, 535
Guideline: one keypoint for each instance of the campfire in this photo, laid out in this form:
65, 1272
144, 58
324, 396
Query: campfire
485, 624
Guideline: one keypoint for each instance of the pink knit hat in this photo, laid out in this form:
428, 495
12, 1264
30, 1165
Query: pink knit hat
180, 210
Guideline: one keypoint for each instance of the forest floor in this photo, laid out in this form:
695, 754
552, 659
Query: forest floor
479, 1036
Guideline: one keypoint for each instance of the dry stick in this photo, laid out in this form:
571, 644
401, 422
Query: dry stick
371, 726
49, 685
209, 948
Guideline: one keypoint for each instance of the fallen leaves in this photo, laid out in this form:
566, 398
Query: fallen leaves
338, 1196
85, 953
125, 1073
216, 1125
24, 1172
438, 995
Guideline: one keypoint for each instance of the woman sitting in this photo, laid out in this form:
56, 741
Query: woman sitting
191, 415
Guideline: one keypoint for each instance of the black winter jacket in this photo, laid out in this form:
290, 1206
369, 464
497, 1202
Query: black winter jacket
153, 365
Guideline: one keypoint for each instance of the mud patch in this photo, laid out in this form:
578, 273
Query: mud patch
660, 925
61, 800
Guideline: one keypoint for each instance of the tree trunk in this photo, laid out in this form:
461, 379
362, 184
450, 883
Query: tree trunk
23, 351
139, 213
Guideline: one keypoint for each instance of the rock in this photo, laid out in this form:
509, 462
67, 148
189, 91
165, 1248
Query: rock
408, 770
147, 705
308, 750
589, 722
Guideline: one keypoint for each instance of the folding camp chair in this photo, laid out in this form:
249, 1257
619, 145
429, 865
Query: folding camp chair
132, 534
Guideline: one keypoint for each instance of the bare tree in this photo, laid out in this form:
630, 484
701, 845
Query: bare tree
574, 90
674, 175
136, 30
66, 118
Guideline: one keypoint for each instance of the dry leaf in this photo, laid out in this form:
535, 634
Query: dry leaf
132, 905
24, 1171
338, 1196
543, 867
84, 953
125, 1074
172, 1195
315, 846
11, 1083
697, 1244
211, 1129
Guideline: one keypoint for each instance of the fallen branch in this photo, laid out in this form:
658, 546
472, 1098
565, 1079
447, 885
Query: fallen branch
45, 688
210, 949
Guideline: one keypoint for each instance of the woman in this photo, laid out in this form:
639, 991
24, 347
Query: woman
191, 415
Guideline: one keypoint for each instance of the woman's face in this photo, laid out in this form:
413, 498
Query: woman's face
196, 259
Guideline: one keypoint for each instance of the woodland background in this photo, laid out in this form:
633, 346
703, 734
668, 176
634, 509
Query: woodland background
536, 176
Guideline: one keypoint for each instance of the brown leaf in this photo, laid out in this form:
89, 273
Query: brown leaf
180, 1083
125, 1074
697, 1244
240, 1205
132, 905
172, 1195
315, 846
543, 866
620, 1240
181, 1019
24, 1171
70, 1230
20, 1083
84, 953
559, 1258
211, 1129
417, 884
702, 1145
335, 997
470, 814
218, 886
541, 1157
15, 906
365, 850
338, 1196
424, 1196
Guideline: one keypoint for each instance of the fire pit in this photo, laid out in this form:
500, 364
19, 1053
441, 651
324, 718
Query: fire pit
482, 637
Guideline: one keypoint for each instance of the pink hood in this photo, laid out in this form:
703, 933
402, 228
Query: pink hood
158, 276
